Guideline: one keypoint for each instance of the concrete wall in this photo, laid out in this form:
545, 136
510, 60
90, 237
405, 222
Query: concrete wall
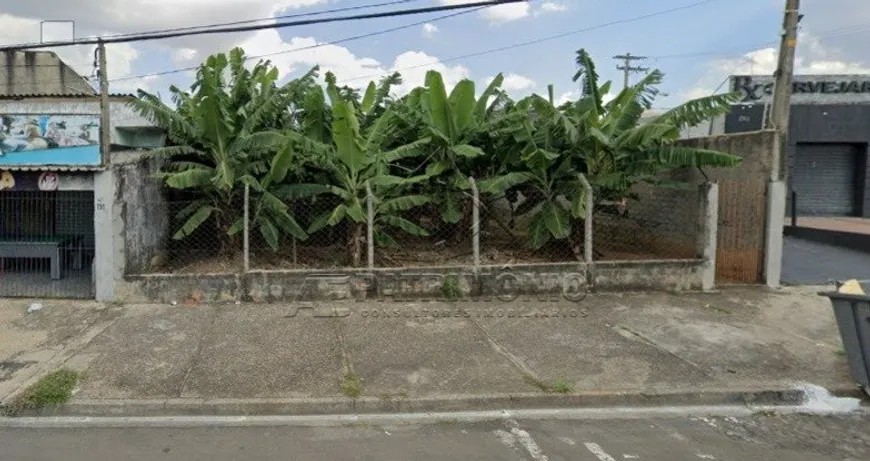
742, 199
143, 215
38, 72
569, 281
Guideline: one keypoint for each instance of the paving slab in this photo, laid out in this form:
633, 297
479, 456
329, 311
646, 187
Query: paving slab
147, 353
423, 355
33, 343
256, 351
742, 337
585, 351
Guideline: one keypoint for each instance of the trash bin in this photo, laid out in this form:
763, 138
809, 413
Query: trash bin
852, 311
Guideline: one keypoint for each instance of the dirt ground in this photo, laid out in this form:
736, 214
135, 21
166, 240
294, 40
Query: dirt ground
425, 254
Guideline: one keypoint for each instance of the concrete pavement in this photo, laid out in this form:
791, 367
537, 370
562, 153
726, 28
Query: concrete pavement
615, 349
760, 437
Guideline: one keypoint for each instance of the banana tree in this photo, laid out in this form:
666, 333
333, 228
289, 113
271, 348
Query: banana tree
603, 141
354, 160
614, 148
220, 135
460, 126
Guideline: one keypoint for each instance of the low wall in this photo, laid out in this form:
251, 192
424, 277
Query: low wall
569, 281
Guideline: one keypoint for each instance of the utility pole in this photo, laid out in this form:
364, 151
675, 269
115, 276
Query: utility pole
778, 120
627, 68
780, 107
105, 127
105, 189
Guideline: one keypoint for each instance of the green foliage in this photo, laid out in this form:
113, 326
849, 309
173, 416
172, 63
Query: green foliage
304, 144
52, 390
222, 136
451, 288
351, 385
356, 162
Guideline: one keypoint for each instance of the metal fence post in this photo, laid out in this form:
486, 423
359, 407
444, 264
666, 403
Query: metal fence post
587, 231
475, 224
370, 224
246, 230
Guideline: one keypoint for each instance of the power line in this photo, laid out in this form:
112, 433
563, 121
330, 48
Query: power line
318, 45
548, 38
385, 14
273, 18
834, 32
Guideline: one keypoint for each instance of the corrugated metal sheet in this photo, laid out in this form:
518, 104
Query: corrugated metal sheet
51, 168
18, 97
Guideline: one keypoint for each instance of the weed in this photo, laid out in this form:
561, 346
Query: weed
562, 387
450, 288
52, 390
351, 386
841, 352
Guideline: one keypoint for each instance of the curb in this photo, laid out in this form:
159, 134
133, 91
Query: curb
373, 405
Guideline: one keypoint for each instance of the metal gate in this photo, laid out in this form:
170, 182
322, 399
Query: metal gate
740, 237
46, 244
824, 179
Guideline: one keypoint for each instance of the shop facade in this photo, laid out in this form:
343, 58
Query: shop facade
827, 169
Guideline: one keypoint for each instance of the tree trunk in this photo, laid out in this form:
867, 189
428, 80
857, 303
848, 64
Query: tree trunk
354, 243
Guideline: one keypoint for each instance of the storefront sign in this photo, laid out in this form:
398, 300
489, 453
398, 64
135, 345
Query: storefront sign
806, 89
34, 140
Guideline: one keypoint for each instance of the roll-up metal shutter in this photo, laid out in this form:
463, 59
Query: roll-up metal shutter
824, 179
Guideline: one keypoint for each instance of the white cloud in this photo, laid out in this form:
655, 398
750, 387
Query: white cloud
574, 95
120, 56
514, 82
184, 55
429, 29
348, 68
516, 85
498, 14
812, 58
95, 17
552, 7
417, 63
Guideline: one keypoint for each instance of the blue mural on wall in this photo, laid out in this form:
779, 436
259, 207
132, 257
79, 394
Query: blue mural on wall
49, 140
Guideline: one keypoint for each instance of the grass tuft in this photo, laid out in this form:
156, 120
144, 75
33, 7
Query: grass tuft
52, 390
351, 385
451, 288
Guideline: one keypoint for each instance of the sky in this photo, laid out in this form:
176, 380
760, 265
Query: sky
696, 47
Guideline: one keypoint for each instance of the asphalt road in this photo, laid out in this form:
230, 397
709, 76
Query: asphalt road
792, 438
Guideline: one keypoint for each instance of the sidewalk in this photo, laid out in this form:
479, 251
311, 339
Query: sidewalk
608, 349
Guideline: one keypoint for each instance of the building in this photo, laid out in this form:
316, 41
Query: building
39, 72
57, 194
827, 169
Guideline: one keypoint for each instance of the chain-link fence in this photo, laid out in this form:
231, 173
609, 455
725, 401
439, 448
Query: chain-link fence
436, 229
657, 223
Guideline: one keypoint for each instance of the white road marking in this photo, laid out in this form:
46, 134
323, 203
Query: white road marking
529, 444
704, 456
628, 456
568, 440
598, 451
506, 438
